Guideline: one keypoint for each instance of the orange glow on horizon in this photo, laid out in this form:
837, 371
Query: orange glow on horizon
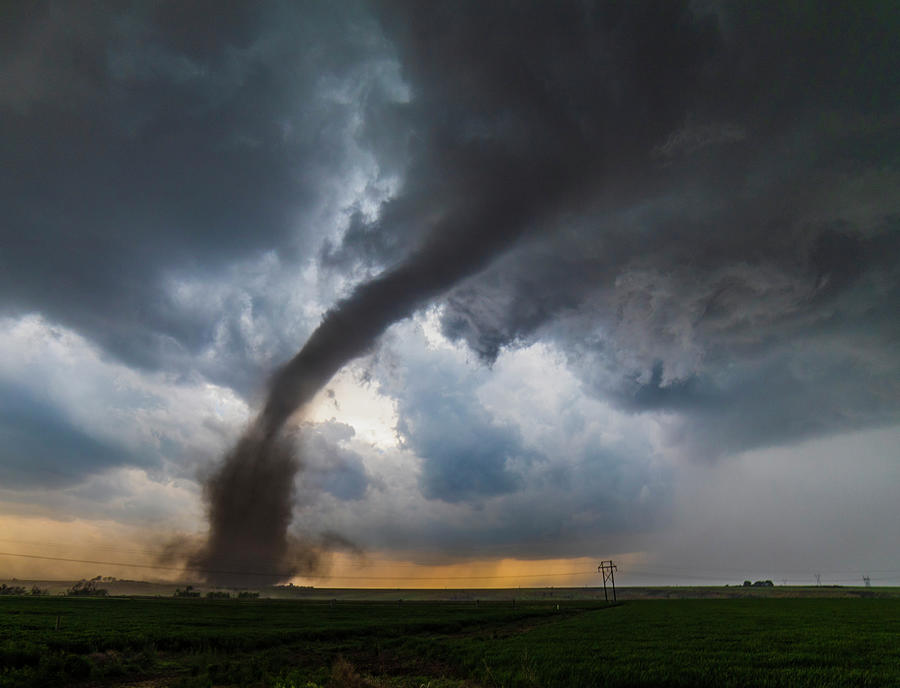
107, 548
348, 571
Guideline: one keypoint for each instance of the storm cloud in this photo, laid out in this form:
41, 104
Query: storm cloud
690, 208
728, 249
156, 147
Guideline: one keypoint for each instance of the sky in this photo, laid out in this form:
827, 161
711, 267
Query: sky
651, 268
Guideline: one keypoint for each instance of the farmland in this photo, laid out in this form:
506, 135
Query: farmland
750, 641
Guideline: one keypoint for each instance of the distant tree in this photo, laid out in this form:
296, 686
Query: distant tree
35, 590
747, 584
11, 589
218, 595
187, 592
246, 595
85, 588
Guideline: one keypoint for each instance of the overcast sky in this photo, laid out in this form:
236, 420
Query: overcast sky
674, 340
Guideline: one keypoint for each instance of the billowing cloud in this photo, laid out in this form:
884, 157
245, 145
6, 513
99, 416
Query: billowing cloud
158, 146
331, 467
466, 452
728, 246
69, 412
661, 238
563, 470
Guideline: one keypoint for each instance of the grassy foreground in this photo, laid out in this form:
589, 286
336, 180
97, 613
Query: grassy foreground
287, 643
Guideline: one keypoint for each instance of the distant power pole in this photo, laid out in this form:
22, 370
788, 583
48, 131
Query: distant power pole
607, 568
867, 581
819, 580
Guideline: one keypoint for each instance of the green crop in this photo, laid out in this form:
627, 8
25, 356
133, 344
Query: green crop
51, 641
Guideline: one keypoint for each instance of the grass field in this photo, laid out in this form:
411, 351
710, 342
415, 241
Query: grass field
148, 643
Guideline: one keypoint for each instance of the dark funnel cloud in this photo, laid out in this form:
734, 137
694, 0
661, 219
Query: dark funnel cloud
249, 509
250, 497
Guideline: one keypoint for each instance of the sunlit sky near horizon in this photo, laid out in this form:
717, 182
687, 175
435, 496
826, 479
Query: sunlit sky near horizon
680, 351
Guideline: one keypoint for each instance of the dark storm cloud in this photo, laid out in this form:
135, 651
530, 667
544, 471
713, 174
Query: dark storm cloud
747, 354
158, 140
725, 244
695, 201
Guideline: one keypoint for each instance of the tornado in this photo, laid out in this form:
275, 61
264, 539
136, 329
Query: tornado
250, 496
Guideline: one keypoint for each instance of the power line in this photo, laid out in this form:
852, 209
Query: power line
69, 545
649, 572
653, 571
276, 574
638, 570
365, 560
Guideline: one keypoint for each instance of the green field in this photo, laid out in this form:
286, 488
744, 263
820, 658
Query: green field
148, 643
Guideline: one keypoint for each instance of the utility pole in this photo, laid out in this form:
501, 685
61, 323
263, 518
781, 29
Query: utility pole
607, 568
818, 580
867, 581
